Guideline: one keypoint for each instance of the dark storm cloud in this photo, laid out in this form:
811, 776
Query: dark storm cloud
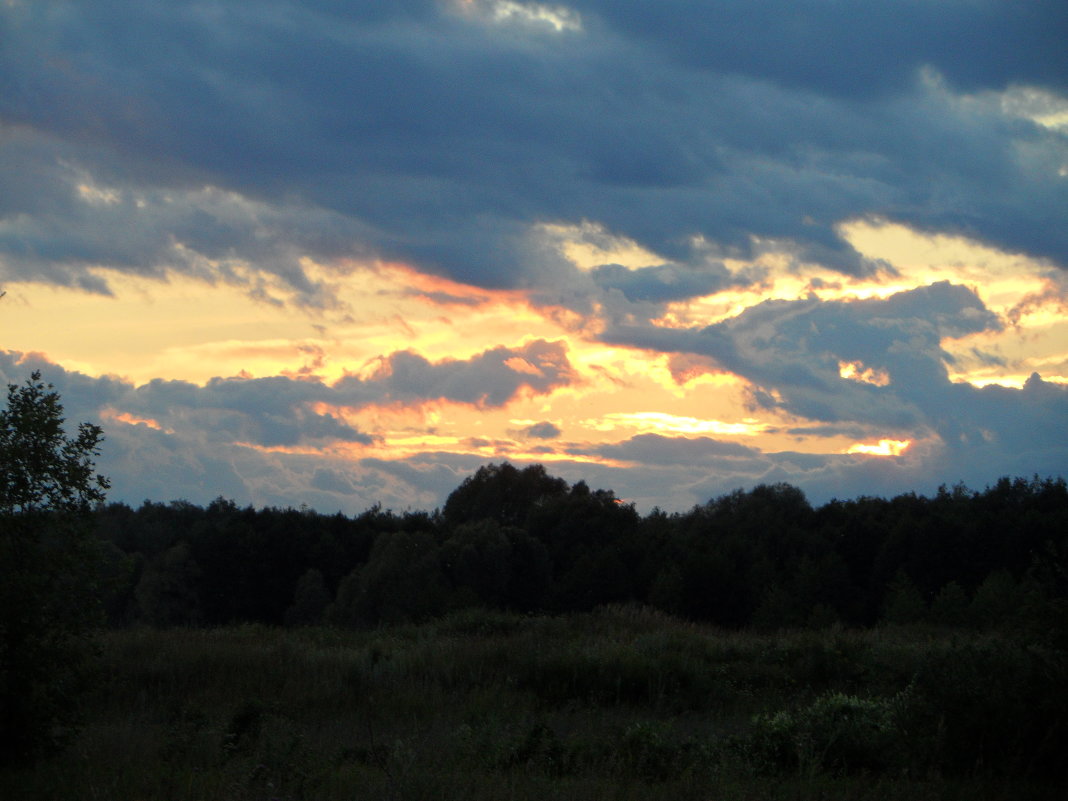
413, 132
1024, 421
59, 221
275, 410
860, 47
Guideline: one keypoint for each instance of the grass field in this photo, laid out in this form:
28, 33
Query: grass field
622, 703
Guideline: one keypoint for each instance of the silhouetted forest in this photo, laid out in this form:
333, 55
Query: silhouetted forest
521, 540
539, 640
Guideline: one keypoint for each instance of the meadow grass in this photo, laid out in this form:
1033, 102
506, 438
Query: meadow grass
622, 703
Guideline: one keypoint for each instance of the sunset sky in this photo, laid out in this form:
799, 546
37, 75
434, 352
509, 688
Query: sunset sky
343, 253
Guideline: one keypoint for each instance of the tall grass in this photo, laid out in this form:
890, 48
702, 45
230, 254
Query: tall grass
621, 703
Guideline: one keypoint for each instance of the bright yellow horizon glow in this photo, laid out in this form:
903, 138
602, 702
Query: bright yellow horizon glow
885, 447
590, 245
185, 329
856, 371
662, 423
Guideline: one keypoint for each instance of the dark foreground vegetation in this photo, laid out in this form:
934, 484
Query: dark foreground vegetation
531, 639
621, 703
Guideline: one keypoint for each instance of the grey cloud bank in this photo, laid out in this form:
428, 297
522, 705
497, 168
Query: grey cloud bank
409, 131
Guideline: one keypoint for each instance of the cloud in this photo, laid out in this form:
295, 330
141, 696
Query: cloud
77, 224
1017, 432
542, 430
491, 378
169, 136
329, 480
792, 351
854, 50
605, 161
529, 17
226, 437
663, 283
281, 411
270, 412
645, 449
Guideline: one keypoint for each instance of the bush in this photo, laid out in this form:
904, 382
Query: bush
996, 707
836, 733
654, 752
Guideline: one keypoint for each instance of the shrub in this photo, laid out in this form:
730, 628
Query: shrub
653, 752
994, 707
836, 733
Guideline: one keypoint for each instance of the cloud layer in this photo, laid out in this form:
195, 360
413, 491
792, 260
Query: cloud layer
418, 133
663, 199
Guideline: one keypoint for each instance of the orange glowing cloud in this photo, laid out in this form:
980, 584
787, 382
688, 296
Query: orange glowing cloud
691, 368
443, 292
146, 329
132, 420
1009, 284
388, 308
521, 365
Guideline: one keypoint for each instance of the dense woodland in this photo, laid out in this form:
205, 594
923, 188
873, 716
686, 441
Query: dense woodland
539, 640
521, 540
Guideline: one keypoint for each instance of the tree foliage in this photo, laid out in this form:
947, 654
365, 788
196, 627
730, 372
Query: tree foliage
48, 602
502, 493
44, 470
519, 539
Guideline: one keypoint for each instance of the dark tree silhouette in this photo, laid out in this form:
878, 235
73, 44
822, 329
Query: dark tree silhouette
520, 539
502, 493
48, 561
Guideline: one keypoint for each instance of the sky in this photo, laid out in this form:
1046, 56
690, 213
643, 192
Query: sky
344, 253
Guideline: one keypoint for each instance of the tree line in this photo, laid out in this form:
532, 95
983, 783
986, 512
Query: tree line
521, 540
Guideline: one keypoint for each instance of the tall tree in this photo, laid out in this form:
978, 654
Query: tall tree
48, 556
501, 492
